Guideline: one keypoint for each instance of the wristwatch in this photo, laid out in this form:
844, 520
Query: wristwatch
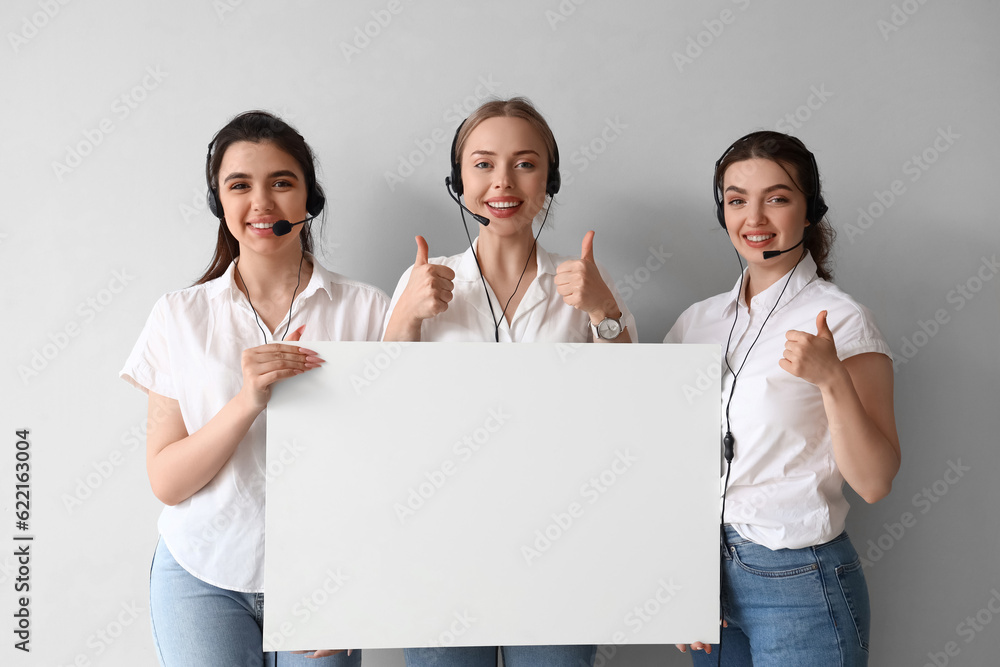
608, 328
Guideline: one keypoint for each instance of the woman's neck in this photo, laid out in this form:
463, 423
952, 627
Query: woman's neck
503, 258
270, 277
509, 265
762, 276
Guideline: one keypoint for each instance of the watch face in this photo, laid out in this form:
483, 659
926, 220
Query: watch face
609, 329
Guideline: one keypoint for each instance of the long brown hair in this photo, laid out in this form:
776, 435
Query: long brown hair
798, 162
256, 127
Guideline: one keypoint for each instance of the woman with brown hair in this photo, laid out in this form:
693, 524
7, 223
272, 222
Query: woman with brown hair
208, 357
807, 405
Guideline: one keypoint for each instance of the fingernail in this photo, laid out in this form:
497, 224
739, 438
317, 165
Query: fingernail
313, 359
304, 350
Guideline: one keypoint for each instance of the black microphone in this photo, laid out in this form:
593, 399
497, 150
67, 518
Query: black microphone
282, 227
768, 254
481, 219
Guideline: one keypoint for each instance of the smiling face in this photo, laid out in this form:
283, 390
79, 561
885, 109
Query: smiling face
260, 184
504, 169
765, 210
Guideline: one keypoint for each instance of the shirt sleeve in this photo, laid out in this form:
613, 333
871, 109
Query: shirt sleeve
854, 330
148, 366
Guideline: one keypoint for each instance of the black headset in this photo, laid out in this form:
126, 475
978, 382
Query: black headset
552, 182
816, 208
315, 200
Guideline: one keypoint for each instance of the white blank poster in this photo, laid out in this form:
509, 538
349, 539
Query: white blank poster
439, 494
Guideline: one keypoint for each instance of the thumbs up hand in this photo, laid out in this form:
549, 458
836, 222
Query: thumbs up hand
429, 289
812, 358
580, 284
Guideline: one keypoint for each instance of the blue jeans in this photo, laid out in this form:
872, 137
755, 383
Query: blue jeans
792, 606
513, 656
196, 624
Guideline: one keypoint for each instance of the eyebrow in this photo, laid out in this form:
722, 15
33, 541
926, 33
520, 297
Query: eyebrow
274, 174
527, 151
741, 191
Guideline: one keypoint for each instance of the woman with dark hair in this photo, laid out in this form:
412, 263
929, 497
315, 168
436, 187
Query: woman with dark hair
208, 357
506, 288
807, 401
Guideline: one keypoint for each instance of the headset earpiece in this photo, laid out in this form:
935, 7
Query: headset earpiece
214, 205
720, 213
212, 197
817, 208
456, 170
554, 180
315, 200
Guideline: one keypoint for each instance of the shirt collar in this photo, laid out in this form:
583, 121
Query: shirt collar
802, 274
467, 269
226, 283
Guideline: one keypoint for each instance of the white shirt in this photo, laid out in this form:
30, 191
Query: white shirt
190, 350
785, 490
541, 317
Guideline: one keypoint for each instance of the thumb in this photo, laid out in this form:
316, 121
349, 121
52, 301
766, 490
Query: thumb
421, 251
297, 334
587, 247
822, 330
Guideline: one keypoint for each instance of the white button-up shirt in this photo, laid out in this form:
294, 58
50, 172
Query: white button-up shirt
785, 490
190, 350
541, 317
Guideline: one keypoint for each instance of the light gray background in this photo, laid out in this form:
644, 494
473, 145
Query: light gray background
878, 95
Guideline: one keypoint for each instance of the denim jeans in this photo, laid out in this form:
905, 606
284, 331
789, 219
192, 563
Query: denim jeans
196, 624
513, 656
792, 606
